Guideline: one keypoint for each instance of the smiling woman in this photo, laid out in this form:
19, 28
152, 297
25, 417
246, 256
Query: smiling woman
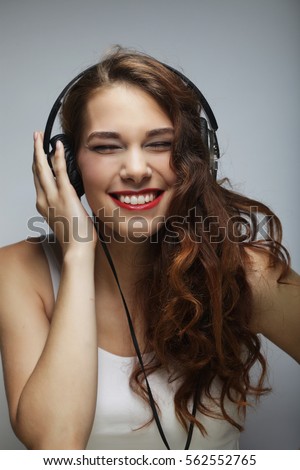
125, 155
136, 328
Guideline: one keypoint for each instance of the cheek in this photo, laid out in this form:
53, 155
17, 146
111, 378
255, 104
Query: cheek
93, 172
93, 183
90, 178
170, 175
172, 178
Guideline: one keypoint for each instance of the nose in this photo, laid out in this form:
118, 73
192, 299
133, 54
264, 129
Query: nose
135, 166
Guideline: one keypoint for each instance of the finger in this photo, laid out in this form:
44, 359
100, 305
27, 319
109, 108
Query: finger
36, 180
60, 167
37, 184
39, 155
41, 166
41, 200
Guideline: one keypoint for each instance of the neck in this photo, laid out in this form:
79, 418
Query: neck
130, 261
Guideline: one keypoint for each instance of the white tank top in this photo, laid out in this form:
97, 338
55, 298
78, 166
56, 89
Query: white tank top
121, 414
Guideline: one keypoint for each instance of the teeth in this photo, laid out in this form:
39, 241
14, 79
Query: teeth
135, 200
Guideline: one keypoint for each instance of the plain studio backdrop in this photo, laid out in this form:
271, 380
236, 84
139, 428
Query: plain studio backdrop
244, 57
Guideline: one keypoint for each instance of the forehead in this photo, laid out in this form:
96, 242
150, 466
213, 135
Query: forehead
124, 104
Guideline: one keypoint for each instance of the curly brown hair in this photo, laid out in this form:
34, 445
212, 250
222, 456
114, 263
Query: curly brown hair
194, 294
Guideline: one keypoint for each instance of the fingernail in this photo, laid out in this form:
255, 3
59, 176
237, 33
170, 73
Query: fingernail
58, 144
35, 134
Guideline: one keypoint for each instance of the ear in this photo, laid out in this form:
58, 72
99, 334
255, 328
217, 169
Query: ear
72, 170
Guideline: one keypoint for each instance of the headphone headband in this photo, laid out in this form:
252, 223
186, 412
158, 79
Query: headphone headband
208, 133
207, 109
57, 105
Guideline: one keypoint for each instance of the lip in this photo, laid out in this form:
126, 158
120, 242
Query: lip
138, 207
142, 191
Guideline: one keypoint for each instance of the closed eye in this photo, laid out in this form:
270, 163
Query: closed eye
160, 146
105, 148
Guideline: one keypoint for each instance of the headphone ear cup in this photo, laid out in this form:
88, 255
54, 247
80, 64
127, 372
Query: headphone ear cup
209, 139
204, 131
72, 170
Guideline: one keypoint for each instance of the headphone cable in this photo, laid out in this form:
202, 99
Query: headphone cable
139, 355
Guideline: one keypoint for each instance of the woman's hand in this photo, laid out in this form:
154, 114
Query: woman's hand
57, 201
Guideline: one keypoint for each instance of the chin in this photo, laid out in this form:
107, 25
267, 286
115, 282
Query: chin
132, 232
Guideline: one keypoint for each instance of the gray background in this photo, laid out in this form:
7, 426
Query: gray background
243, 55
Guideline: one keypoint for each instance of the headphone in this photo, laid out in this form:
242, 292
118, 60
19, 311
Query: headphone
208, 128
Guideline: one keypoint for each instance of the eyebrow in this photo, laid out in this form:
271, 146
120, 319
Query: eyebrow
116, 135
103, 134
160, 131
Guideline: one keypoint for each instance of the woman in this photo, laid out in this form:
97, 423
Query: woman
198, 281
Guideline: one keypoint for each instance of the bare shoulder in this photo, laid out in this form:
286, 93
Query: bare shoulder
21, 251
23, 266
276, 301
260, 272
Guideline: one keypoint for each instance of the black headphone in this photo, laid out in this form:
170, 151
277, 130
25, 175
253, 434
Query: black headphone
208, 131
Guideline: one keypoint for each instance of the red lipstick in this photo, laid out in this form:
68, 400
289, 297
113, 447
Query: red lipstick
138, 207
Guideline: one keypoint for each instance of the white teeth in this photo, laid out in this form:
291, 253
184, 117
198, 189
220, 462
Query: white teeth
135, 200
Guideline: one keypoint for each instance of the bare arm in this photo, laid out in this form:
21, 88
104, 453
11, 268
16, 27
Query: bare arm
50, 367
276, 304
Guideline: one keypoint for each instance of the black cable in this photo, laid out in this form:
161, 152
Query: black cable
138, 353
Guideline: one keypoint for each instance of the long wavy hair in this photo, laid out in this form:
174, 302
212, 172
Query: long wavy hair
194, 294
